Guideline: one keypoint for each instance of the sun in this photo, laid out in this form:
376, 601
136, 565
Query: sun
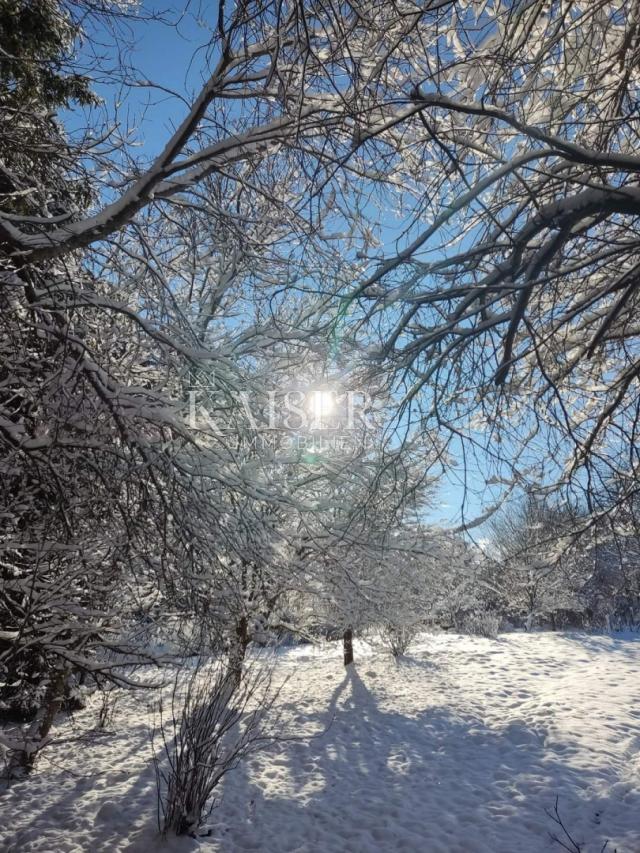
322, 404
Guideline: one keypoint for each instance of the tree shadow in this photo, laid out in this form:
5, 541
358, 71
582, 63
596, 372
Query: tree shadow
363, 777
624, 643
100, 799
379, 780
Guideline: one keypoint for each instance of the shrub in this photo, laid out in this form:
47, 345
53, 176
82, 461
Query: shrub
480, 625
216, 721
398, 638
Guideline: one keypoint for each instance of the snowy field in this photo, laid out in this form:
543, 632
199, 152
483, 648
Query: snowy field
459, 749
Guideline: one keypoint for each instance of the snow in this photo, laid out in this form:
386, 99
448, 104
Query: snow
460, 747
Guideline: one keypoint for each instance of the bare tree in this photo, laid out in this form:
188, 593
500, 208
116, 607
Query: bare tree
537, 569
505, 326
509, 318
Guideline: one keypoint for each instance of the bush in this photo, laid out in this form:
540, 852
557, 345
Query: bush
216, 721
480, 625
107, 710
398, 638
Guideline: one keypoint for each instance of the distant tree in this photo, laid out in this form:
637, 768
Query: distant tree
610, 547
536, 569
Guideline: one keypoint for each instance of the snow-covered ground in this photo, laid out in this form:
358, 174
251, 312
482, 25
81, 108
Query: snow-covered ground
459, 749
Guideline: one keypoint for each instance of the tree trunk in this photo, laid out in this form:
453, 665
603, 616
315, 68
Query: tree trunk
239, 648
347, 643
23, 760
